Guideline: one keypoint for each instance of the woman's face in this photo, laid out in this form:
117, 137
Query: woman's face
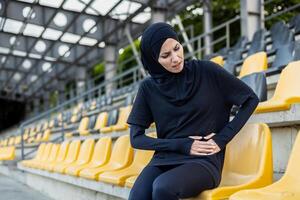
171, 56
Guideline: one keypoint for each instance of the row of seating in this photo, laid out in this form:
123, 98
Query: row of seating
7, 153
104, 122
96, 161
280, 34
248, 162
287, 91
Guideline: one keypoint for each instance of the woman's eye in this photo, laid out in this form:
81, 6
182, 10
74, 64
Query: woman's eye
176, 48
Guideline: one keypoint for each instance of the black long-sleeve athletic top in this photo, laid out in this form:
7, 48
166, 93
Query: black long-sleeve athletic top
207, 111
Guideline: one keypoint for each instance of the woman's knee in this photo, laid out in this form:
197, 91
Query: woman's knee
162, 188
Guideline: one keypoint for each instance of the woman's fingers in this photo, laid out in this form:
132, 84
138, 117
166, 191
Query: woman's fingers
209, 136
203, 147
196, 137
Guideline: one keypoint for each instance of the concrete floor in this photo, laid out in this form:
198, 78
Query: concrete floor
13, 190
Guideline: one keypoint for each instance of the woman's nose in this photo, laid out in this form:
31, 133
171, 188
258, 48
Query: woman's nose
175, 58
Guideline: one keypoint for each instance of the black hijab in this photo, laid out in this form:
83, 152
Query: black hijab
178, 88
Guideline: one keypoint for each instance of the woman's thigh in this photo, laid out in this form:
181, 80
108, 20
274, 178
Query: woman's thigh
142, 188
183, 181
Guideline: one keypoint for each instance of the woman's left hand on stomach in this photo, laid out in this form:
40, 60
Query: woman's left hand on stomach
206, 142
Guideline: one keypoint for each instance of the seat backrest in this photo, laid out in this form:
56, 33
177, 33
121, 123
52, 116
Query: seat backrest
288, 84
46, 135
296, 54
124, 113
255, 63
40, 151
281, 37
84, 124
142, 157
73, 151
241, 43
112, 117
101, 120
122, 152
283, 55
249, 154
258, 83
63, 150
295, 23
293, 170
102, 151
92, 122
54, 151
47, 151
218, 60
85, 152
258, 42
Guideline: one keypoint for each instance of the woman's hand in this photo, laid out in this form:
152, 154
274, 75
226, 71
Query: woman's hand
204, 148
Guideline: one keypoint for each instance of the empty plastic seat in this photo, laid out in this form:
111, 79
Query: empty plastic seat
38, 155
287, 91
283, 56
248, 163
112, 120
84, 157
141, 159
121, 157
218, 60
44, 157
70, 157
281, 35
287, 188
258, 83
7, 153
295, 23
101, 121
130, 181
258, 42
241, 43
100, 157
233, 57
62, 153
255, 63
82, 128
51, 158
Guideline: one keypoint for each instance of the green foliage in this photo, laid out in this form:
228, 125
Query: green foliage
278, 5
123, 62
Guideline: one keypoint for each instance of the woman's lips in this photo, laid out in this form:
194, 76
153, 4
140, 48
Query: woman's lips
176, 66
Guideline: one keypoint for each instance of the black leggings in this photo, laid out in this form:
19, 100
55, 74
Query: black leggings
171, 182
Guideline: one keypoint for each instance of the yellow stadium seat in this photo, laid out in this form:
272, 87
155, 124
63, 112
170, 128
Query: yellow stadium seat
44, 156
84, 157
121, 157
11, 141
287, 91
130, 181
82, 129
141, 159
63, 150
101, 155
255, 63
51, 157
122, 121
38, 155
18, 140
38, 138
7, 153
218, 60
46, 135
248, 163
101, 121
287, 188
70, 157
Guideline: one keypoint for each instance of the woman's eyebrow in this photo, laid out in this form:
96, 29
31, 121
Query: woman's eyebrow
166, 52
